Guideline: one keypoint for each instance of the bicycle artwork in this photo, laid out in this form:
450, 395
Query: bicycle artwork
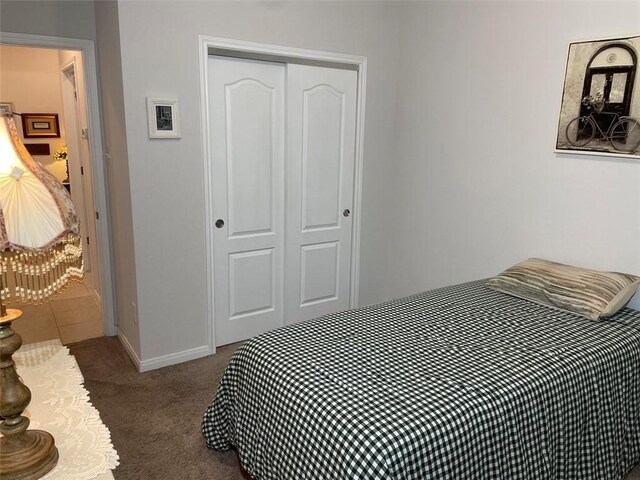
623, 132
601, 99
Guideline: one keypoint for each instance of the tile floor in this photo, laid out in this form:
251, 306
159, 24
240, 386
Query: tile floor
72, 315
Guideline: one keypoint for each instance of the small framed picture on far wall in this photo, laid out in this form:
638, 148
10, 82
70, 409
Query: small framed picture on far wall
40, 125
163, 116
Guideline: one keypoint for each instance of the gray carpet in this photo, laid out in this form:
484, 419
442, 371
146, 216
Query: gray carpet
154, 417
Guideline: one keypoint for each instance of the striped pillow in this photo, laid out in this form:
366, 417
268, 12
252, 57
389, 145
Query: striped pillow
588, 293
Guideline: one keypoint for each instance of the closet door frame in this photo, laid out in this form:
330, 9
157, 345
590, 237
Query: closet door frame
262, 51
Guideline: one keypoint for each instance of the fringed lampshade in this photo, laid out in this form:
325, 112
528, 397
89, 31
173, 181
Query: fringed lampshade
40, 251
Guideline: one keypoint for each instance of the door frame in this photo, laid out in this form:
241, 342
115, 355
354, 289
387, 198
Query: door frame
94, 126
264, 51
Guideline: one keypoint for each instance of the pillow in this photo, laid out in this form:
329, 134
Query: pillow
589, 293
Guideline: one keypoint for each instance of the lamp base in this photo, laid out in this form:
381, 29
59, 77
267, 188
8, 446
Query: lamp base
28, 455
24, 454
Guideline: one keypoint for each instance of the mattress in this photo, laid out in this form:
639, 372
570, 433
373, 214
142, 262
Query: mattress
459, 382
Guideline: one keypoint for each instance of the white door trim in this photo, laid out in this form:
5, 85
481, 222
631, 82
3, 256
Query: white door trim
258, 50
87, 47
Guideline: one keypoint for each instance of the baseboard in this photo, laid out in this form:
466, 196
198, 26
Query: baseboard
128, 348
163, 361
173, 358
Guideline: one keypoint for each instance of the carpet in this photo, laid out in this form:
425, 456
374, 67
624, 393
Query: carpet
154, 417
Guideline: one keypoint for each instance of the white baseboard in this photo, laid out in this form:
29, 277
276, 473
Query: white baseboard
128, 348
163, 361
173, 358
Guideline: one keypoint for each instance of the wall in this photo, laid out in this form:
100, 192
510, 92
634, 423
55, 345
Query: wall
78, 19
167, 192
71, 19
115, 139
478, 185
30, 80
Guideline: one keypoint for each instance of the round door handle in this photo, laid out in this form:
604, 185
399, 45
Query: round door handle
346, 212
219, 223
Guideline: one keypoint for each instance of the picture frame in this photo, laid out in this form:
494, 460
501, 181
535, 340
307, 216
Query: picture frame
38, 148
600, 109
6, 107
40, 125
163, 115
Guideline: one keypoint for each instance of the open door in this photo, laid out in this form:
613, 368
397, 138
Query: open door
79, 164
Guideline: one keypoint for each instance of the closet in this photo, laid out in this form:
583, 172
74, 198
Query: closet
282, 148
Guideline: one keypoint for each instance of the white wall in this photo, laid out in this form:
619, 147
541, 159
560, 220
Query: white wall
78, 19
115, 139
30, 80
71, 18
477, 184
160, 58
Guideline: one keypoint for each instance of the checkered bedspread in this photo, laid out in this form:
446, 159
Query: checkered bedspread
456, 383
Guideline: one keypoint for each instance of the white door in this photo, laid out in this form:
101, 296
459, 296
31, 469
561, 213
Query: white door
80, 174
74, 163
321, 120
246, 111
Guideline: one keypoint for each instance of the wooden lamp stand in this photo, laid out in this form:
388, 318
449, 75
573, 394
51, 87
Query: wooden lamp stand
24, 454
41, 247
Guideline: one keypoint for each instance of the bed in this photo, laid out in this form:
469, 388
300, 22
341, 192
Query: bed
456, 383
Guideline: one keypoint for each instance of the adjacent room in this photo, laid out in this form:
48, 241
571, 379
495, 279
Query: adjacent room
51, 80
320, 239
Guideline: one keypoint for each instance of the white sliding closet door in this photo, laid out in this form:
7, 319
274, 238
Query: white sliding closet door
282, 212
321, 120
246, 112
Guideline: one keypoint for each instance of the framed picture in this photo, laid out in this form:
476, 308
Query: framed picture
40, 125
38, 148
163, 115
6, 107
600, 112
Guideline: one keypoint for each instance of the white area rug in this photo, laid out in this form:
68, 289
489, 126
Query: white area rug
60, 405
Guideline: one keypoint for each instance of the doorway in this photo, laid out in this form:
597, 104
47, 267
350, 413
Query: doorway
73, 74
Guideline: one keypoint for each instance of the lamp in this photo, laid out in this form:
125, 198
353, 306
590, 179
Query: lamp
40, 251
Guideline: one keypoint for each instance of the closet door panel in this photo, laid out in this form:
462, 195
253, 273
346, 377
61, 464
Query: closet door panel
321, 114
322, 123
246, 112
319, 266
251, 283
250, 156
